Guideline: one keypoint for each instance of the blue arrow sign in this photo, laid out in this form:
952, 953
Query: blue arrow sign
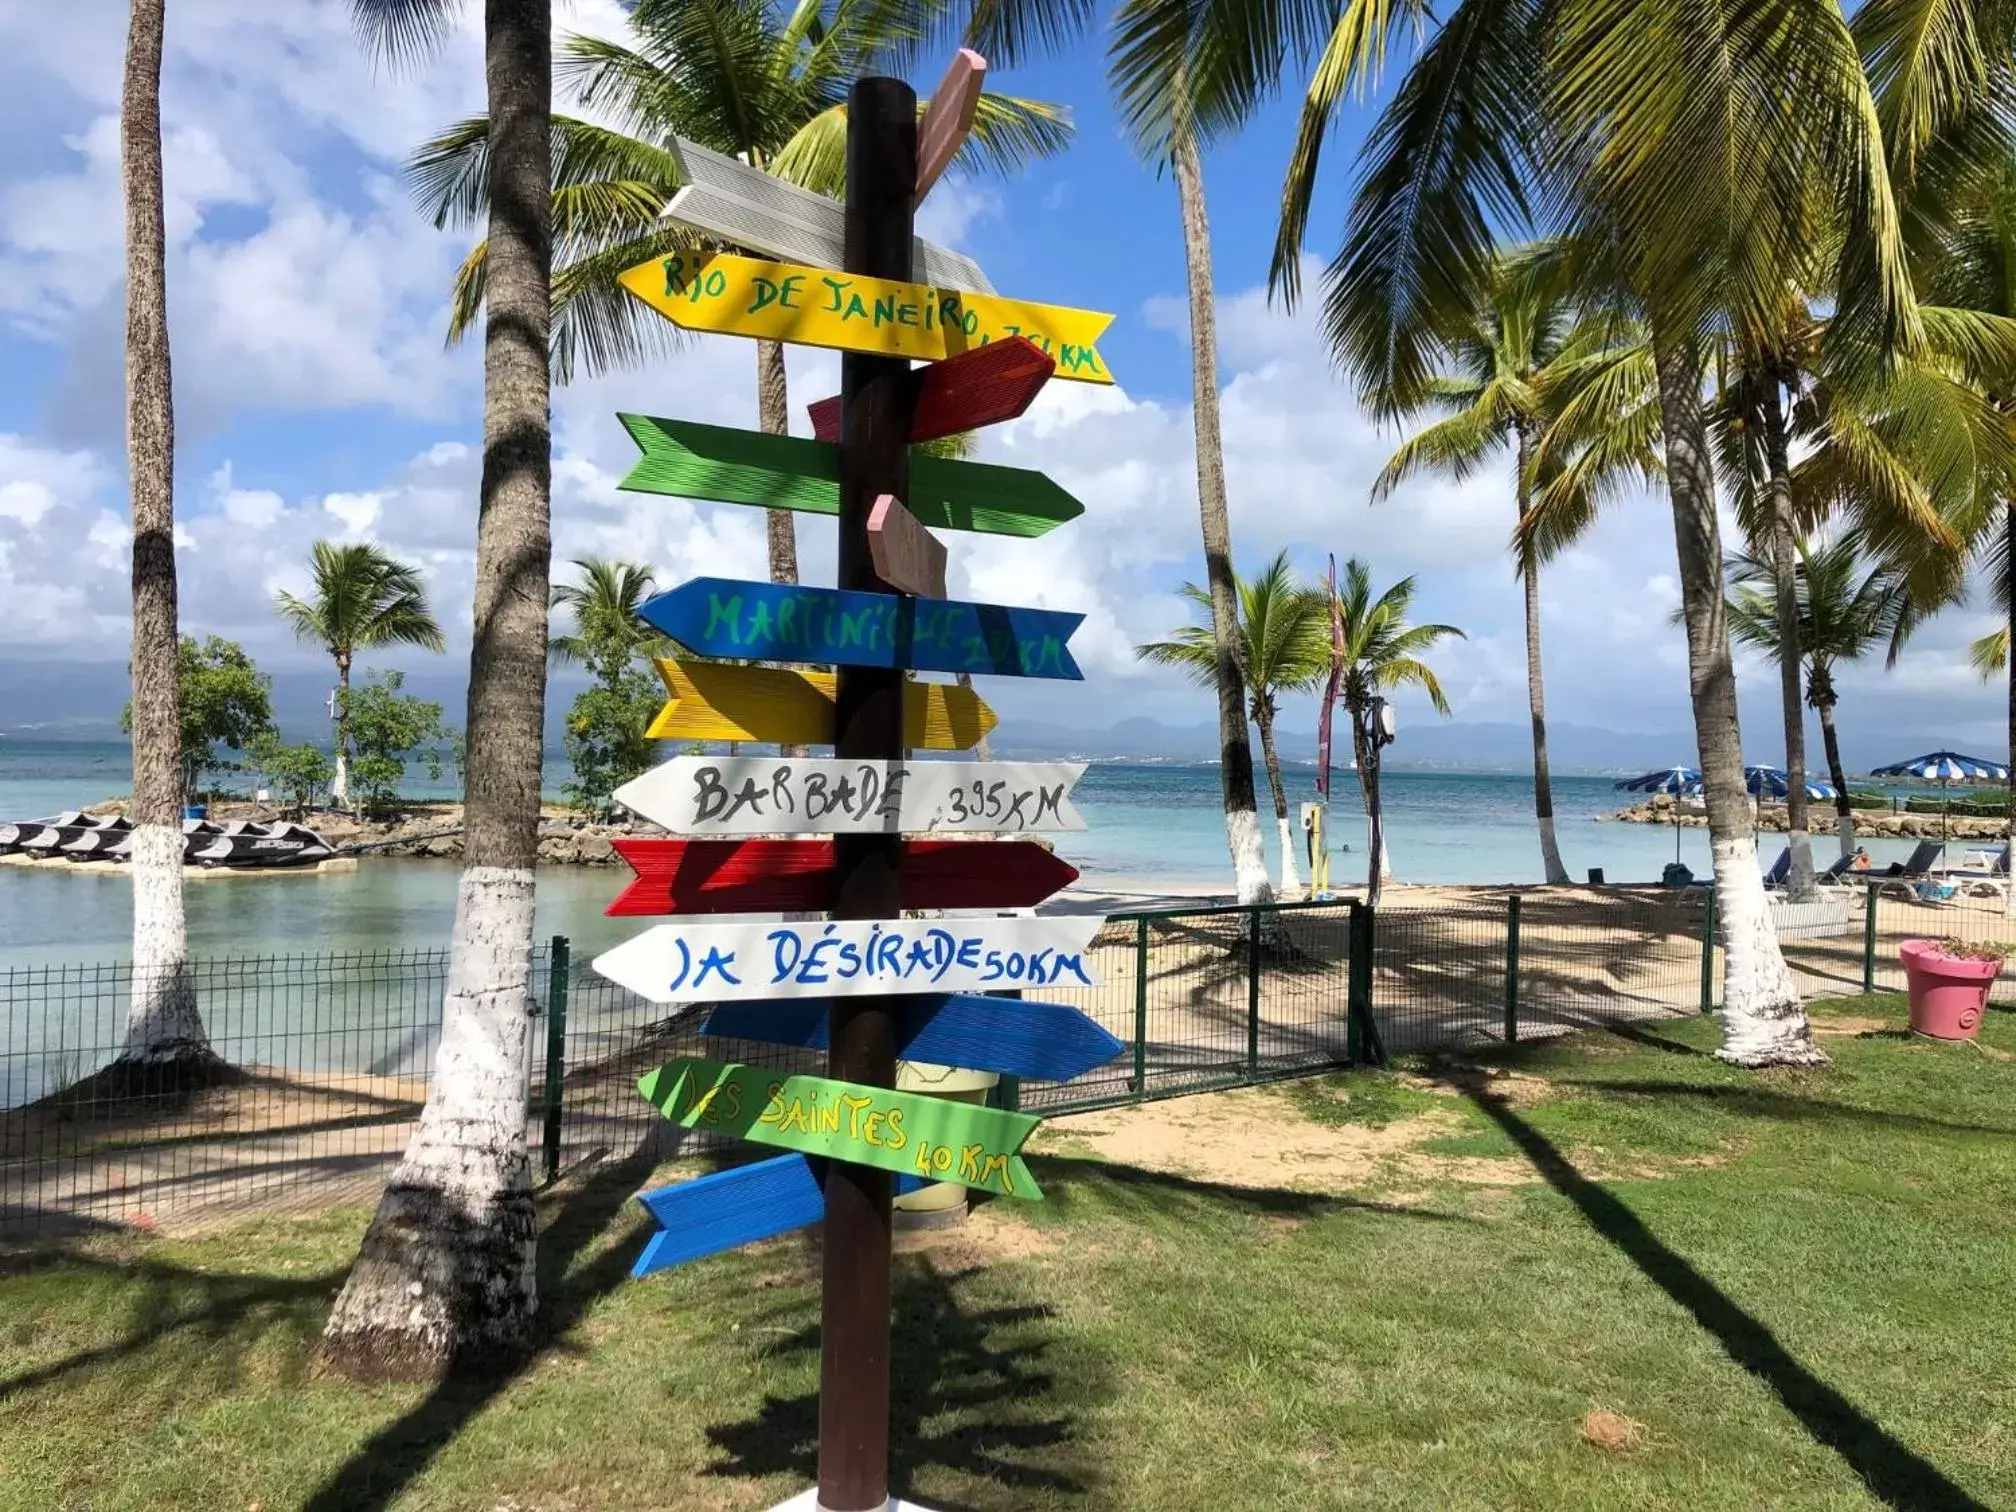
731, 1208
1043, 1041
783, 622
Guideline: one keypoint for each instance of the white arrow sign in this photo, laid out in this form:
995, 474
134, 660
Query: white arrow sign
766, 795
710, 963
749, 208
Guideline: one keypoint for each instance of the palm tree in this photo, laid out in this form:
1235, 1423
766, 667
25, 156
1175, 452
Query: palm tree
1846, 606
363, 598
747, 78
1641, 129
1284, 648
1170, 120
164, 1029
1380, 652
1500, 371
603, 605
445, 1273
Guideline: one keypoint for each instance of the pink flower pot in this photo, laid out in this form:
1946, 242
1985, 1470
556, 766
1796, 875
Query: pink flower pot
1948, 993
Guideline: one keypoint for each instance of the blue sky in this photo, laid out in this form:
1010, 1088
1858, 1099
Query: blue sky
315, 398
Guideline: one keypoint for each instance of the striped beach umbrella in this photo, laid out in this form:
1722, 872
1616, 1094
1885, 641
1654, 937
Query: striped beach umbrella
1672, 781
1947, 768
1771, 782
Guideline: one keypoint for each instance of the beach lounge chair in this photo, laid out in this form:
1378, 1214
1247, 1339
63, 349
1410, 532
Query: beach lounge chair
1780, 869
1840, 872
1902, 881
1992, 883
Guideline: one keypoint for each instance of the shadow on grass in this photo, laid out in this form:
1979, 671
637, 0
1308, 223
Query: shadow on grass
1889, 1468
203, 1307
388, 1462
1762, 1102
972, 1391
1131, 1193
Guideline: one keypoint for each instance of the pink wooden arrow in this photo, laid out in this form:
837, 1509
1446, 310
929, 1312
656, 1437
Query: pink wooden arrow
949, 117
907, 556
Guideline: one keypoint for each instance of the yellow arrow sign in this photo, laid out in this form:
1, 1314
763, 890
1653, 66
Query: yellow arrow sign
721, 701
746, 296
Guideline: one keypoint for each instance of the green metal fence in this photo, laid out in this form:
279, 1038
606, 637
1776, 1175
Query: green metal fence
329, 1054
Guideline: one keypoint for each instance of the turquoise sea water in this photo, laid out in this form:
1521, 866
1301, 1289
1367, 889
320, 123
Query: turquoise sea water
1155, 825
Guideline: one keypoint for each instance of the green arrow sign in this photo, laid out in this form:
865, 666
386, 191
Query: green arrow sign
692, 461
905, 1132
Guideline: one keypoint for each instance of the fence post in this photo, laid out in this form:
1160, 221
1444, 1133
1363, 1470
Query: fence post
1512, 970
1253, 992
1141, 1007
1708, 954
1361, 1032
1869, 938
556, 1052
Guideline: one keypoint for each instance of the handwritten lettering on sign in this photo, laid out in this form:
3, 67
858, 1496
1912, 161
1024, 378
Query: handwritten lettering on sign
894, 1131
747, 296
726, 617
688, 963
768, 795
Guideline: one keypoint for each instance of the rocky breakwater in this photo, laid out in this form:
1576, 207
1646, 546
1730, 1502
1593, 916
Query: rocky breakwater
1879, 824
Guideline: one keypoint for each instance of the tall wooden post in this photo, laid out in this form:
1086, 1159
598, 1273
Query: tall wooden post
874, 460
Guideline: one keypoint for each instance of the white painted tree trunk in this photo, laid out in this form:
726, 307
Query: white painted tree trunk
162, 1021
1249, 856
445, 1269
339, 786
1291, 879
1764, 1023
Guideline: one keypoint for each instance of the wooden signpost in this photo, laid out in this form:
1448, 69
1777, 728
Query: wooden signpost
1016, 1037
865, 982
790, 876
727, 617
907, 1132
948, 118
856, 312
746, 207
717, 701
692, 461
982, 387
867, 958
907, 556
762, 795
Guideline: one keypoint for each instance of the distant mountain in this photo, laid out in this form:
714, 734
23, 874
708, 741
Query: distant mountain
1480, 746
82, 700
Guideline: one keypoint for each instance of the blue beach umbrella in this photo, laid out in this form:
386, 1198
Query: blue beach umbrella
1946, 768
1771, 782
1673, 781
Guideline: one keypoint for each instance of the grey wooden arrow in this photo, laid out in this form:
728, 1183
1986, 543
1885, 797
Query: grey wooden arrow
746, 207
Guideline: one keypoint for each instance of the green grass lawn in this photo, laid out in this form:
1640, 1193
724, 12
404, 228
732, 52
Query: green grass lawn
1789, 1290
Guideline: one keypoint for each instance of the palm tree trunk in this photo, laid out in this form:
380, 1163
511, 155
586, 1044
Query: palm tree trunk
1763, 1023
1536, 691
773, 417
339, 786
1263, 716
1844, 811
162, 1022
1235, 751
1785, 591
446, 1274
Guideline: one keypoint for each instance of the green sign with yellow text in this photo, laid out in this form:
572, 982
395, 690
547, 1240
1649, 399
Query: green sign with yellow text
905, 1132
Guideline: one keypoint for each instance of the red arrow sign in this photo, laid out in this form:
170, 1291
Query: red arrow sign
782, 876
985, 386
